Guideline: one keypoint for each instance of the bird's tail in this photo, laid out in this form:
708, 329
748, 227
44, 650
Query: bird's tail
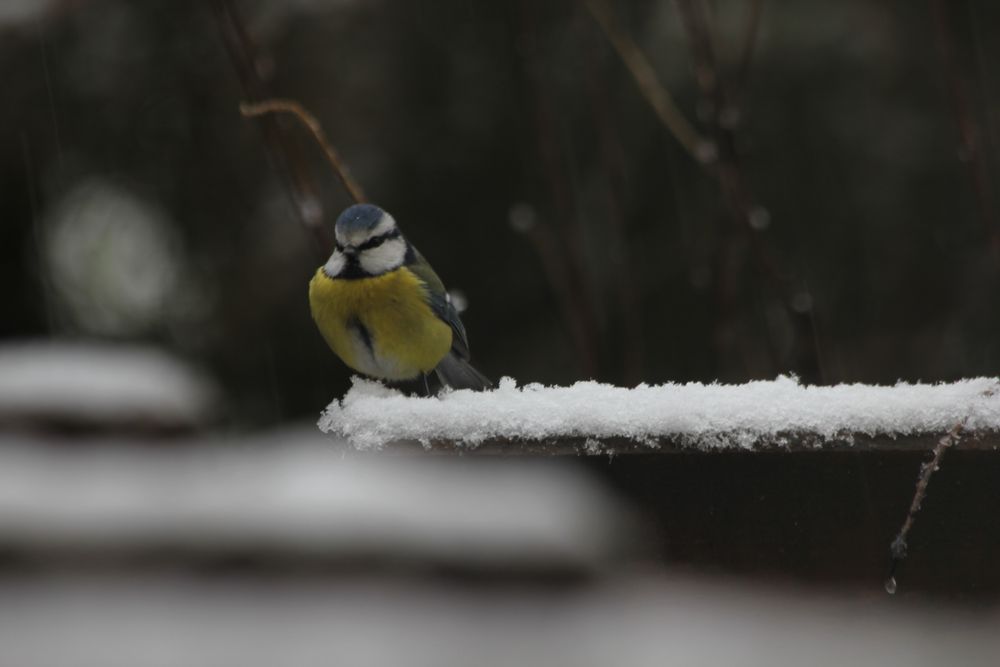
458, 373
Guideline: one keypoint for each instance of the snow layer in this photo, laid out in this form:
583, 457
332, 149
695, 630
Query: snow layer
290, 493
100, 383
704, 415
159, 621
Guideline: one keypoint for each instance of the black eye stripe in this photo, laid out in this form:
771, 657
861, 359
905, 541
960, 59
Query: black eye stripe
376, 241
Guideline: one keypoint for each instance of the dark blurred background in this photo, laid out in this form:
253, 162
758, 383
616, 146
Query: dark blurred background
845, 230
828, 208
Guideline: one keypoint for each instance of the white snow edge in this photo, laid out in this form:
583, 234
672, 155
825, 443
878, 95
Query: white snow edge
290, 492
708, 416
102, 383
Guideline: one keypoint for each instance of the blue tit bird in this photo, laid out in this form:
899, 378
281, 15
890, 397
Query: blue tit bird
383, 310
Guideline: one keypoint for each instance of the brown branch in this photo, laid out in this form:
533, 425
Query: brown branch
563, 252
253, 110
699, 148
617, 251
750, 32
898, 548
628, 295
968, 128
735, 188
559, 275
284, 153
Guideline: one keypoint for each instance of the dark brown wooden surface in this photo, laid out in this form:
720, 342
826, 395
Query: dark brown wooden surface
825, 518
796, 514
791, 442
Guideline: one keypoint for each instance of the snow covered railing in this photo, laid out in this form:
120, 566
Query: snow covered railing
47, 384
287, 497
594, 418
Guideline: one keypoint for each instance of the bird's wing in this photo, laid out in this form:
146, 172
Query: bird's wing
440, 302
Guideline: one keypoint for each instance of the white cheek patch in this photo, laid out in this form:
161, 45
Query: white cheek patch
383, 258
335, 264
385, 225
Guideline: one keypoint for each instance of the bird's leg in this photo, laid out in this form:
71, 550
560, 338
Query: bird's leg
427, 387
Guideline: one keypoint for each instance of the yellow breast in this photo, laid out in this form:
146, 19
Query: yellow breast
380, 326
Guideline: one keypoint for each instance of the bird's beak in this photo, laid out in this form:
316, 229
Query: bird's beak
350, 250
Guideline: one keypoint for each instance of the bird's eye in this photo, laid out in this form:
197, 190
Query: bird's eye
373, 242
376, 241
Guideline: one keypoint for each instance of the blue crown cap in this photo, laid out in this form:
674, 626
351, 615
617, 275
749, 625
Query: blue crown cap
360, 217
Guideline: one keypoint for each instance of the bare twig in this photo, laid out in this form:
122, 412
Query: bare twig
618, 253
968, 127
736, 190
898, 548
731, 255
563, 252
285, 154
649, 84
252, 110
750, 31
554, 263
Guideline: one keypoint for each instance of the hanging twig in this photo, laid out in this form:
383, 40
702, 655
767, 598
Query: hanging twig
898, 548
284, 152
252, 110
699, 148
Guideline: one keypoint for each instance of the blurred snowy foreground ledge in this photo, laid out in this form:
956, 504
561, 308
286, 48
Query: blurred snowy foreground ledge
101, 386
590, 417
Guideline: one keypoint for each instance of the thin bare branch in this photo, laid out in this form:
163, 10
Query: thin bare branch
750, 32
254, 109
898, 548
969, 130
284, 153
617, 251
561, 246
699, 148
559, 274
737, 195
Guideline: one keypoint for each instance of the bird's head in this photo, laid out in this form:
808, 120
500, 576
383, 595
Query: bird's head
368, 243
